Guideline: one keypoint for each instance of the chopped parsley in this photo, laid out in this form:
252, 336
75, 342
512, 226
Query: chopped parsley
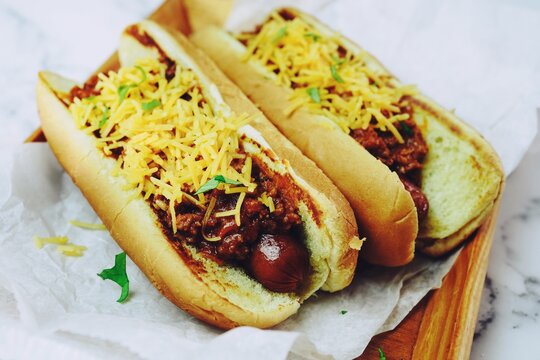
382, 356
105, 117
280, 34
118, 274
313, 36
338, 60
343, 312
214, 183
335, 74
407, 130
143, 74
314, 94
124, 89
149, 106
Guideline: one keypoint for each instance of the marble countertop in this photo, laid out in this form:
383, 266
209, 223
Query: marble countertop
509, 321
36, 37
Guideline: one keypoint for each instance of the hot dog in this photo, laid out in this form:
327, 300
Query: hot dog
411, 170
181, 168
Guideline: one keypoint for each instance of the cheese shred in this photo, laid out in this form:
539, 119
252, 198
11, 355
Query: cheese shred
42, 241
267, 201
88, 226
205, 219
63, 246
356, 243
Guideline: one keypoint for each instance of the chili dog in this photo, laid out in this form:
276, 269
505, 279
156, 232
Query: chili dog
224, 216
410, 169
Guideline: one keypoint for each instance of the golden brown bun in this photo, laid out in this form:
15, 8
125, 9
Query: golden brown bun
221, 295
463, 178
383, 208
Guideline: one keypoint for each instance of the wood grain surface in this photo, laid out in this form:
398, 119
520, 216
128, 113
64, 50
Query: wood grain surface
442, 325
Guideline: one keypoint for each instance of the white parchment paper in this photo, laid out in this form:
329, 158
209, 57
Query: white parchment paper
58, 295
458, 53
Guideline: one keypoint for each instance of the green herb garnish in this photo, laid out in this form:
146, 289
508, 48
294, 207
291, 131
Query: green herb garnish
338, 60
382, 356
214, 182
314, 94
143, 73
123, 89
314, 36
105, 117
118, 274
335, 74
406, 128
343, 312
148, 106
280, 34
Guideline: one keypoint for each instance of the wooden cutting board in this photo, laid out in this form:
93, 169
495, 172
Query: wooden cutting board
442, 325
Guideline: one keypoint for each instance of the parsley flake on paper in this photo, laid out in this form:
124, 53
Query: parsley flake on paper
118, 274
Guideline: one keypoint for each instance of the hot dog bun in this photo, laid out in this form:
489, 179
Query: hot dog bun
221, 295
462, 176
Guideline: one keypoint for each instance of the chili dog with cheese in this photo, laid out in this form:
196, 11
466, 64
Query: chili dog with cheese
410, 169
221, 212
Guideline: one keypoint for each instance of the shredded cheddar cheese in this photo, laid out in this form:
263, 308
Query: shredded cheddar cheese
207, 214
62, 245
356, 243
172, 146
42, 241
326, 78
88, 226
267, 201
238, 207
71, 250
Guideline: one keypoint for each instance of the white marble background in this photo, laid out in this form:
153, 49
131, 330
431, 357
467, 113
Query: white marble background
55, 35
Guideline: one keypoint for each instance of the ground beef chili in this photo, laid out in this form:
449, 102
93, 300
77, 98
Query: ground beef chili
256, 221
147, 41
88, 89
284, 13
406, 158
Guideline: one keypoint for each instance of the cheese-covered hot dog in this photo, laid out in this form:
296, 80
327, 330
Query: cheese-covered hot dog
224, 215
409, 168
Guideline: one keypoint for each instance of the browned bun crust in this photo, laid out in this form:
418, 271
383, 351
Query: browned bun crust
384, 209
220, 295
490, 167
